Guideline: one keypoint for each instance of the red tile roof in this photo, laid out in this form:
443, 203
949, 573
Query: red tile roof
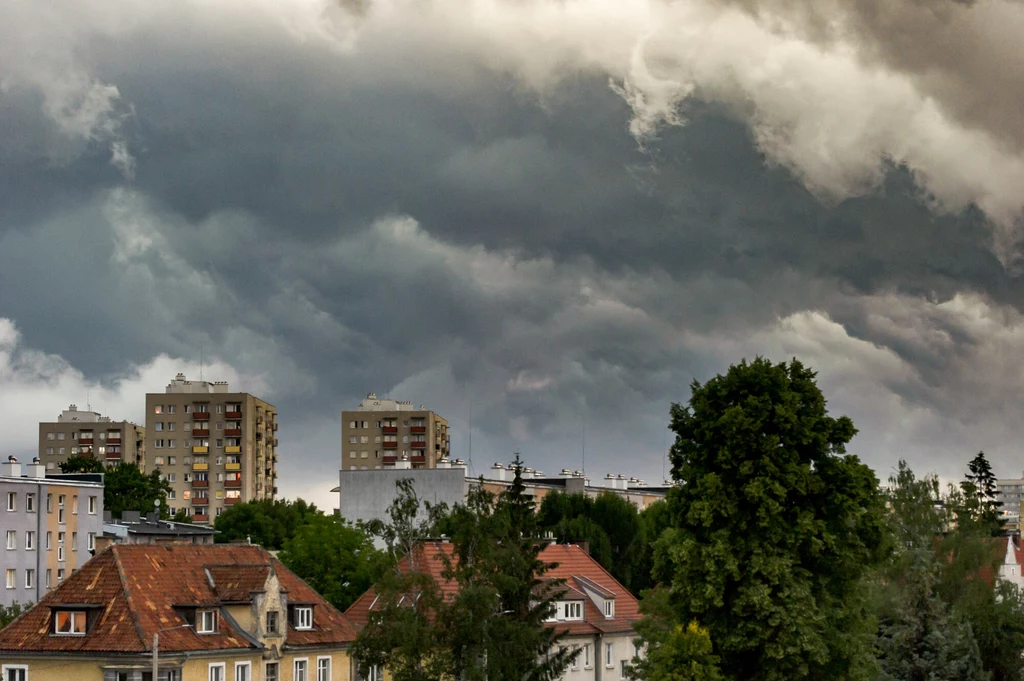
572, 562
139, 588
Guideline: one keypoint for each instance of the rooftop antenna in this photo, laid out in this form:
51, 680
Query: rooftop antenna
88, 403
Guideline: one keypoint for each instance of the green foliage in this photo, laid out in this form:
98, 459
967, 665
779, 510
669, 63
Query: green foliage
269, 523
126, 488
774, 527
979, 500
674, 652
493, 627
653, 521
81, 464
338, 560
182, 516
10, 613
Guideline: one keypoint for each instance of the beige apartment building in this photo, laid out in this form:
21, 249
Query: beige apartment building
88, 433
380, 432
216, 448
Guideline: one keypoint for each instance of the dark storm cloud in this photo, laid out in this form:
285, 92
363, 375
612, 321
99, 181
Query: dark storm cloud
405, 217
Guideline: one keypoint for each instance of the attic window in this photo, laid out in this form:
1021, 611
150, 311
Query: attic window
609, 608
69, 623
206, 622
303, 617
574, 610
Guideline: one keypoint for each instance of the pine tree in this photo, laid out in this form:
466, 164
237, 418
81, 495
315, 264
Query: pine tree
982, 494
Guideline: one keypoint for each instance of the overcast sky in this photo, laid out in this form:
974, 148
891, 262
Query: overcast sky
560, 212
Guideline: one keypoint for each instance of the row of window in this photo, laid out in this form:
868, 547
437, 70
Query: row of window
201, 407
582, 656
243, 671
204, 494
102, 449
30, 503
388, 423
186, 444
30, 541
189, 426
189, 477
365, 439
11, 577
113, 435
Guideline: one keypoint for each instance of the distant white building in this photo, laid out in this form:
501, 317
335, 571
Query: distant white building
1013, 563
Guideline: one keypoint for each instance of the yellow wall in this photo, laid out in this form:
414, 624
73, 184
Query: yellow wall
195, 669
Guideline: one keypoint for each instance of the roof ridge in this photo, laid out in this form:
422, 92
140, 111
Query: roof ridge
601, 568
128, 597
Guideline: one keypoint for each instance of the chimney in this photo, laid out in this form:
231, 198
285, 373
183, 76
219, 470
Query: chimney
403, 463
443, 463
498, 471
11, 468
131, 516
35, 469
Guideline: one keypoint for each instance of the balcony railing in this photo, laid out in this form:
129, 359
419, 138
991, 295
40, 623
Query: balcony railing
275, 441
390, 430
113, 440
417, 429
231, 501
275, 426
229, 415
200, 484
418, 444
85, 440
201, 518
415, 458
233, 432
201, 433
233, 484
200, 466
232, 466
390, 459
390, 445
200, 450
200, 416
113, 456
233, 450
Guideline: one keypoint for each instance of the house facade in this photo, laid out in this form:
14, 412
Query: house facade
593, 610
219, 612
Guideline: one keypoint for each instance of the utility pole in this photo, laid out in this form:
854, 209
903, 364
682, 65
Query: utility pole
156, 649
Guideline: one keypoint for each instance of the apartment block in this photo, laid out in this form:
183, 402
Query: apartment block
50, 525
215, 447
379, 433
87, 433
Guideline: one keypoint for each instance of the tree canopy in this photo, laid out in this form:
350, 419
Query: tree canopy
126, 488
81, 464
269, 523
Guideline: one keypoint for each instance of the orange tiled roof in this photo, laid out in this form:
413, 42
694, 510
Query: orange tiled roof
136, 588
572, 562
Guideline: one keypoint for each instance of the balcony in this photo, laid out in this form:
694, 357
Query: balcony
232, 450
390, 459
233, 415
113, 456
232, 466
390, 430
418, 444
200, 466
418, 458
275, 426
200, 484
233, 484
200, 450
259, 435
390, 445
275, 441
200, 416
201, 433
233, 432
275, 490
418, 430
201, 518
231, 501
84, 440
113, 440
85, 452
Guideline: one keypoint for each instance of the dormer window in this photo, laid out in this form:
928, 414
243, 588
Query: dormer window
206, 622
69, 623
303, 617
574, 610
609, 608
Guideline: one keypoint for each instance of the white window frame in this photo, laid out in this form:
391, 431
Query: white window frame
12, 501
11, 577
327, 659
201, 622
220, 666
300, 623
247, 666
305, 669
277, 671
30, 578
609, 656
586, 657
12, 540
30, 503
609, 608
30, 540
575, 665
92, 541
73, 613
92, 504
13, 668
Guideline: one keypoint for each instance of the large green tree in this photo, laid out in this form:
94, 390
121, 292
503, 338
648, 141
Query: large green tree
774, 527
81, 464
335, 558
269, 523
126, 488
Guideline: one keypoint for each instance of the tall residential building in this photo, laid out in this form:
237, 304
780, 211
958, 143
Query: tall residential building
87, 433
215, 447
49, 526
379, 433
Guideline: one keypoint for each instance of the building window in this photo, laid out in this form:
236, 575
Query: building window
623, 669
60, 436
60, 451
92, 505
60, 575
300, 670
30, 503
49, 541
574, 610
74, 504
12, 540
60, 515
30, 541
172, 460
69, 623
159, 461
158, 409
49, 451
609, 608
12, 501
159, 444
30, 579
49, 436
92, 541
171, 408
242, 671
172, 477
272, 622
609, 655
159, 426
323, 669
172, 444
49, 578
272, 672
206, 622
303, 618
216, 671
170, 425
74, 541
12, 577
10, 672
